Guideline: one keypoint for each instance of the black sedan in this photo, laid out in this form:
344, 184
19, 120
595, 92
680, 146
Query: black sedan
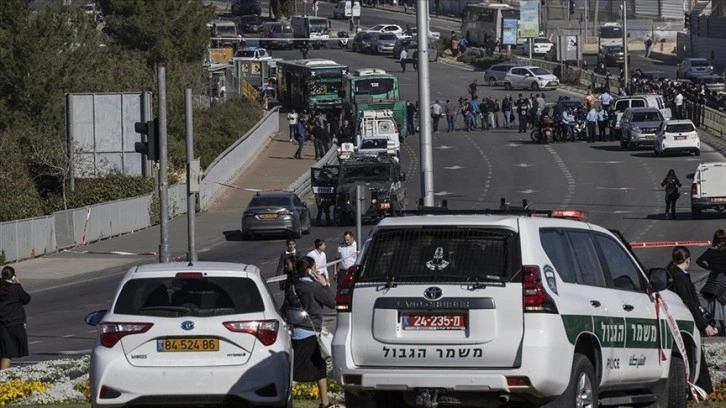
273, 213
611, 55
250, 24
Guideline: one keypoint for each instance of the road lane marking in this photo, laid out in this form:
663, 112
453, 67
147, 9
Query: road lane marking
454, 167
567, 199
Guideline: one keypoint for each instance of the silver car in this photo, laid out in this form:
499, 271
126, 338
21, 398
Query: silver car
271, 213
693, 67
638, 127
383, 43
495, 74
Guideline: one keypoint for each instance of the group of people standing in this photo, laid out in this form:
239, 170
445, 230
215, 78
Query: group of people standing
323, 129
307, 286
13, 336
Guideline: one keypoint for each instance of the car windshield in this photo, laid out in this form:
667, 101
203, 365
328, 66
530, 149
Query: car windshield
541, 41
365, 172
378, 27
387, 37
262, 201
226, 30
253, 20
441, 255
282, 29
647, 116
174, 297
614, 49
374, 144
680, 128
318, 25
539, 71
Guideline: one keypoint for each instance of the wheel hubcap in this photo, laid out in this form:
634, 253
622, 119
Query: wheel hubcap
583, 396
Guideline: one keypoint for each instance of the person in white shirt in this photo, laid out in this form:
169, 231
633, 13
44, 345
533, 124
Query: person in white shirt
321, 259
436, 113
347, 254
678, 101
292, 122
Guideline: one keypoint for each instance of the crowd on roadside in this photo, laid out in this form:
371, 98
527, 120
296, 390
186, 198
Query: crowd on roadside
323, 129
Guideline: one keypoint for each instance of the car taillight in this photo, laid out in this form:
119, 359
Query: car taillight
281, 213
344, 297
264, 330
694, 189
535, 298
110, 333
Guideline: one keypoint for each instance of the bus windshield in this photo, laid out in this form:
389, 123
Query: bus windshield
611, 32
481, 24
324, 86
318, 25
374, 86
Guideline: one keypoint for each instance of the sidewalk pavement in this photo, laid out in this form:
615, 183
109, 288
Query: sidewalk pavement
274, 169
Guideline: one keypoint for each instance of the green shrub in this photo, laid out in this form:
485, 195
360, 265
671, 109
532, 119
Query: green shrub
18, 196
98, 190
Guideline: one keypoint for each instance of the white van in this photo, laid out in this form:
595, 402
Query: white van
377, 130
708, 190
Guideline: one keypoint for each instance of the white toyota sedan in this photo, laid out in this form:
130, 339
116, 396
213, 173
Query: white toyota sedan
186, 334
677, 136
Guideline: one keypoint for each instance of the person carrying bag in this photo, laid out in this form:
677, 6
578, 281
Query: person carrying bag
671, 184
303, 308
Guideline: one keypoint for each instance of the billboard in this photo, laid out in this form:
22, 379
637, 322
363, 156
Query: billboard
529, 19
509, 31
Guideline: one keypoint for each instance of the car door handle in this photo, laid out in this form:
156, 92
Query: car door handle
595, 303
628, 308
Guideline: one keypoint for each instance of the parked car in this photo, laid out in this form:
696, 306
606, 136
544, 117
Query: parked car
339, 10
250, 24
250, 54
401, 43
494, 75
191, 334
693, 67
530, 77
383, 43
708, 189
506, 309
276, 213
638, 101
677, 135
639, 126
363, 42
387, 28
612, 55
246, 7
713, 82
432, 34
540, 46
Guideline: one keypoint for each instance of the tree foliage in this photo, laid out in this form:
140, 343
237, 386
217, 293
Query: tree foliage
166, 30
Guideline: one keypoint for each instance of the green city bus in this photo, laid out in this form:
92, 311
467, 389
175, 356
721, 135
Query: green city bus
310, 84
374, 89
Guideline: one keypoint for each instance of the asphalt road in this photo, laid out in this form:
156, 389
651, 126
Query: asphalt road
619, 189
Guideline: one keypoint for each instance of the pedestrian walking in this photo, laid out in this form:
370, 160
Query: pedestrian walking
292, 123
286, 264
436, 113
304, 49
648, 45
13, 337
310, 292
454, 45
300, 136
346, 253
507, 111
450, 110
714, 290
497, 109
475, 113
591, 119
683, 287
402, 58
410, 116
671, 184
320, 258
321, 139
522, 109
473, 89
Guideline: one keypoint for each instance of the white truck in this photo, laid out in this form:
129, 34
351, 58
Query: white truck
377, 132
708, 189
314, 29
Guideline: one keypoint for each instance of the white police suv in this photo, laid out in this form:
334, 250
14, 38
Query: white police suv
522, 308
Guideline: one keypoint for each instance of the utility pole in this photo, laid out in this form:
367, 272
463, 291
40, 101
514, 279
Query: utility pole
424, 97
164, 256
626, 80
192, 177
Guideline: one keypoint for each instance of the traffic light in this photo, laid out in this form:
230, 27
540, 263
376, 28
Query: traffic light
572, 7
686, 20
151, 146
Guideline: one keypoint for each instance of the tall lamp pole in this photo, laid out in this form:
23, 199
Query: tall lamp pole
625, 45
424, 97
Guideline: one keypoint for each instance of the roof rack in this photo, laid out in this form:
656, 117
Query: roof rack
504, 209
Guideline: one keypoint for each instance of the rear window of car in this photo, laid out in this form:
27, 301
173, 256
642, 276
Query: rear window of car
441, 255
680, 128
387, 37
647, 116
269, 202
374, 143
699, 63
174, 297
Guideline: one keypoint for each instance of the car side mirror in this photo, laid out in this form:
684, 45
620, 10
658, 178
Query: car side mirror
660, 279
94, 318
691, 176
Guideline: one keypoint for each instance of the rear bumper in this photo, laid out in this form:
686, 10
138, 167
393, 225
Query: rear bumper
717, 203
680, 146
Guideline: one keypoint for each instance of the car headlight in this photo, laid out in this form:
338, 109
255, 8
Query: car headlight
635, 129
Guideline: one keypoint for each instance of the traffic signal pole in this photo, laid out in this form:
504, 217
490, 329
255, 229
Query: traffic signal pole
424, 97
164, 256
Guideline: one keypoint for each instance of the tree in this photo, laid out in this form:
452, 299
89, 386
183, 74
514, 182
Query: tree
168, 30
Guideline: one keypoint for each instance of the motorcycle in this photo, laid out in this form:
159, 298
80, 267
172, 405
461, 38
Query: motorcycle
343, 38
545, 133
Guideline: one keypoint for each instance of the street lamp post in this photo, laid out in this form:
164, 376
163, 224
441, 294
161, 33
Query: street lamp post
625, 44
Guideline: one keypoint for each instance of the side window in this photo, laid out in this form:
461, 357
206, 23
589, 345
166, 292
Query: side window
624, 274
637, 103
586, 258
556, 246
517, 71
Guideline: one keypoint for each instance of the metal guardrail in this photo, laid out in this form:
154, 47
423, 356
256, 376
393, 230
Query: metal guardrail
301, 186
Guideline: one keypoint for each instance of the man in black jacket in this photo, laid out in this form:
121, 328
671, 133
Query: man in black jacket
320, 138
346, 133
